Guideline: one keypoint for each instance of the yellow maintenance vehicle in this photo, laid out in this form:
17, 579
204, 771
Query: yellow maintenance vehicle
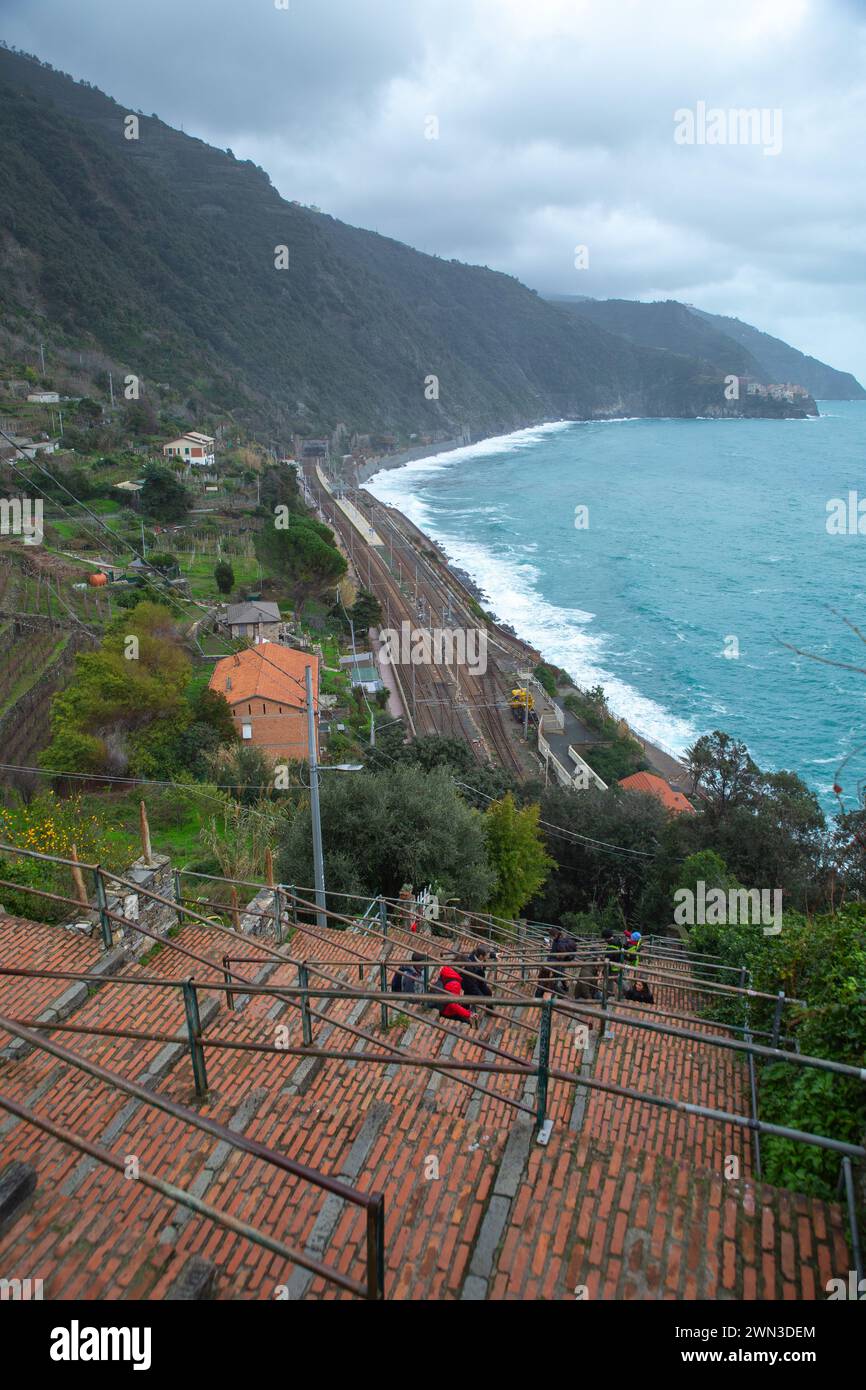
521, 704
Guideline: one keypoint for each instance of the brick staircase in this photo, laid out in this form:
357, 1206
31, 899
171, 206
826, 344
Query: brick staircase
626, 1201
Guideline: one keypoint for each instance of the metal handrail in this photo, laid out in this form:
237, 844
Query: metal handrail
108, 916
373, 1203
544, 1071
541, 1069
306, 992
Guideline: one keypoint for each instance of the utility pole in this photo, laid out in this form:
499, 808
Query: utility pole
111, 389
143, 550
318, 857
42, 356
526, 714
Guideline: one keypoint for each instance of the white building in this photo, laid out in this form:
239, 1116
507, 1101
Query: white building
193, 448
45, 397
30, 447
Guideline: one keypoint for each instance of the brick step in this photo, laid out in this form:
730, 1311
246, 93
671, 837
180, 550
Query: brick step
605, 1221
622, 1201
33, 945
135, 1248
679, 1069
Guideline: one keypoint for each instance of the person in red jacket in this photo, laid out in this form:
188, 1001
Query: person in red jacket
449, 979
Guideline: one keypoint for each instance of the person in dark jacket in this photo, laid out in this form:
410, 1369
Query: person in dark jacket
639, 991
449, 981
409, 979
614, 950
472, 969
552, 978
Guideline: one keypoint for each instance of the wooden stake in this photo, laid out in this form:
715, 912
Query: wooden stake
236, 916
78, 879
269, 868
146, 851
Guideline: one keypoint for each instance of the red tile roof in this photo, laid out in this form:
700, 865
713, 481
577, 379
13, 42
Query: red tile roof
268, 671
651, 785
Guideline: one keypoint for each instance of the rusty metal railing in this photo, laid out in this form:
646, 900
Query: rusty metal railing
373, 1203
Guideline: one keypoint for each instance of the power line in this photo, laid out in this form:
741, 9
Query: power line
120, 540
565, 831
158, 578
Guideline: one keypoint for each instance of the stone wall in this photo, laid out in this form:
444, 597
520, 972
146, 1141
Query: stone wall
156, 917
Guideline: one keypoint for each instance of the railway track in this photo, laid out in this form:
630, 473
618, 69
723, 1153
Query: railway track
444, 699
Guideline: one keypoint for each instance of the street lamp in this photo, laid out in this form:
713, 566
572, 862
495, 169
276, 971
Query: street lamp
318, 855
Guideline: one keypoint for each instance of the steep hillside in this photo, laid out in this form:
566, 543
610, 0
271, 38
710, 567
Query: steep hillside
781, 362
725, 344
160, 251
668, 325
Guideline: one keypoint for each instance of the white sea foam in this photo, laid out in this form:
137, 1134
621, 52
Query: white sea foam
561, 634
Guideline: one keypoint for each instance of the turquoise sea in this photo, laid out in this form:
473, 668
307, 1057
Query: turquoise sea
704, 538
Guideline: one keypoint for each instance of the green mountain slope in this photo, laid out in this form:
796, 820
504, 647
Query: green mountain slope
160, 252
723, 343
781, 362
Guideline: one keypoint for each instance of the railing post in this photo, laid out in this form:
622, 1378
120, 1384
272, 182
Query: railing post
605, 987
178, 888
306, 1022
227, 976
278, 916
383, 916
777, 1017
102, 907
383, 989
293, 906
543, 1063
745, 1000
846, 1182
376, 1248
193, 1028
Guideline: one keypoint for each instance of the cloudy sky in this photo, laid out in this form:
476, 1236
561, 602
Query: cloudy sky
555, 130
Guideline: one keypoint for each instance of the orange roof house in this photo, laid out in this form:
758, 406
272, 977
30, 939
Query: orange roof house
651, 785
264, 686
